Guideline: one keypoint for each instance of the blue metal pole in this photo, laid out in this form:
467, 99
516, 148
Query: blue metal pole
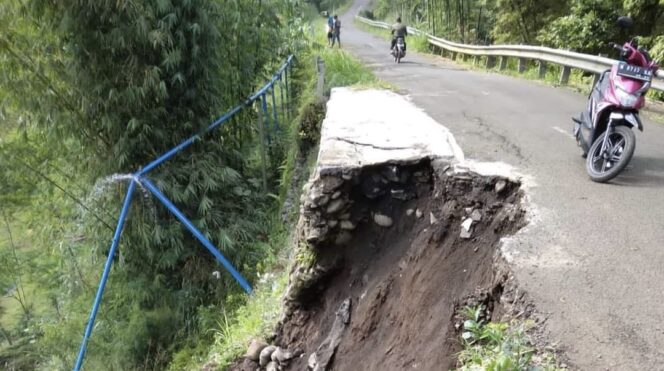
281, 98
190, 226
267, 117
275, 114
104, 276
288, 100
189, 141
214, 124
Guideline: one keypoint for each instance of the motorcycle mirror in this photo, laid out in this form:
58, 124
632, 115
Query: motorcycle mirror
625, 22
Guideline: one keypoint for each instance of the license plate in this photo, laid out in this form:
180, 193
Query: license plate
634, 72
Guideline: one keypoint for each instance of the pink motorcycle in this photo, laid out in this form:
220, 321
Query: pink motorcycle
604, 129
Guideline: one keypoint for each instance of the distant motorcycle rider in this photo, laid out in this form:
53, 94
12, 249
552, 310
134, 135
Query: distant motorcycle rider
399, 30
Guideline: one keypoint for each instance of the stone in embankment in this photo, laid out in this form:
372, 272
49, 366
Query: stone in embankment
254, 350
382, 220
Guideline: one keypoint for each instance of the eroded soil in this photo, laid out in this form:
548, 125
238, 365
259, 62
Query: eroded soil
405, 282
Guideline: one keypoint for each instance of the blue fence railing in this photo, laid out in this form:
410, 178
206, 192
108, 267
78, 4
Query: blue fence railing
281, 80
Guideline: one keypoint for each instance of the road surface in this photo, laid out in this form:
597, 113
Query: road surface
593, 258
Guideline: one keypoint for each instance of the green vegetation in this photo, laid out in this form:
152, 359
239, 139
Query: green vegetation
494, 346
586, 26
90, 89
581, 25
578, 80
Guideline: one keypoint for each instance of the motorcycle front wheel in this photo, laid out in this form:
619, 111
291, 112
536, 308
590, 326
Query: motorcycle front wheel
604, 165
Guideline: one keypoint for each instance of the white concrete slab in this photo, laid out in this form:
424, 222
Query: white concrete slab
370, 127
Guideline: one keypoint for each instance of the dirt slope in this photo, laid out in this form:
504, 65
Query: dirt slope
405, 281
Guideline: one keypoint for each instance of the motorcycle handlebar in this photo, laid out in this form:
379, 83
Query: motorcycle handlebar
616, 47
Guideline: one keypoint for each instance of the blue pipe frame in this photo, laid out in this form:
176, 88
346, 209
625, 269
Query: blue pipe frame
139, 178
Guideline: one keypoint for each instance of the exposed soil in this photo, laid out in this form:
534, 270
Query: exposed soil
405, 282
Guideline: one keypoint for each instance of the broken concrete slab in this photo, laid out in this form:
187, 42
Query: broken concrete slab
368, 127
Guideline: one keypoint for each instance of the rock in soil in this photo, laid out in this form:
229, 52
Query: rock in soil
326, 350
467, 224
347, 225
383, 220
331, 183
266, 355
321, 200
254, 350
312, 362
272, 366
281, 355
335, 206
500, 185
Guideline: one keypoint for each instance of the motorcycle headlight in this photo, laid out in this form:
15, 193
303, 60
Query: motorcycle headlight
626, 99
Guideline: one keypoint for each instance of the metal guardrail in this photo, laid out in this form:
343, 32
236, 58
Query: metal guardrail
268, 120
566, 59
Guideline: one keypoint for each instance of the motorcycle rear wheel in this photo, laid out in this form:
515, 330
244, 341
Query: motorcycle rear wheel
604, 166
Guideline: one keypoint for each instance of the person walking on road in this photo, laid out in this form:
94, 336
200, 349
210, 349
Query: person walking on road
337, 31
329, 28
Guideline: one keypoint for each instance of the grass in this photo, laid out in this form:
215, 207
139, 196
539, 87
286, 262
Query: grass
341, 68
578, 80
11, 311
500, 346
254, 320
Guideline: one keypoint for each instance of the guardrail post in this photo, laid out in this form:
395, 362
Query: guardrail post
475, 60
490, 62
564, 75
266, 117
503, 63
281, 99
261, 134
542, 69
275, 112
288, 97
292, 93
104, 276
320, 83
453, 56
522, 65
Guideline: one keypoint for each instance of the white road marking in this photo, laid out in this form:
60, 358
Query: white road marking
564, 132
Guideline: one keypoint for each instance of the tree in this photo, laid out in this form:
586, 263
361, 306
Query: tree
588, 28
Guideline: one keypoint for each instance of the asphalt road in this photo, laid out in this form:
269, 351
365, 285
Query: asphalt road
592, 257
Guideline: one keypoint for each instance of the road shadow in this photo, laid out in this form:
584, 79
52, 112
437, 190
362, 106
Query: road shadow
643, 171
